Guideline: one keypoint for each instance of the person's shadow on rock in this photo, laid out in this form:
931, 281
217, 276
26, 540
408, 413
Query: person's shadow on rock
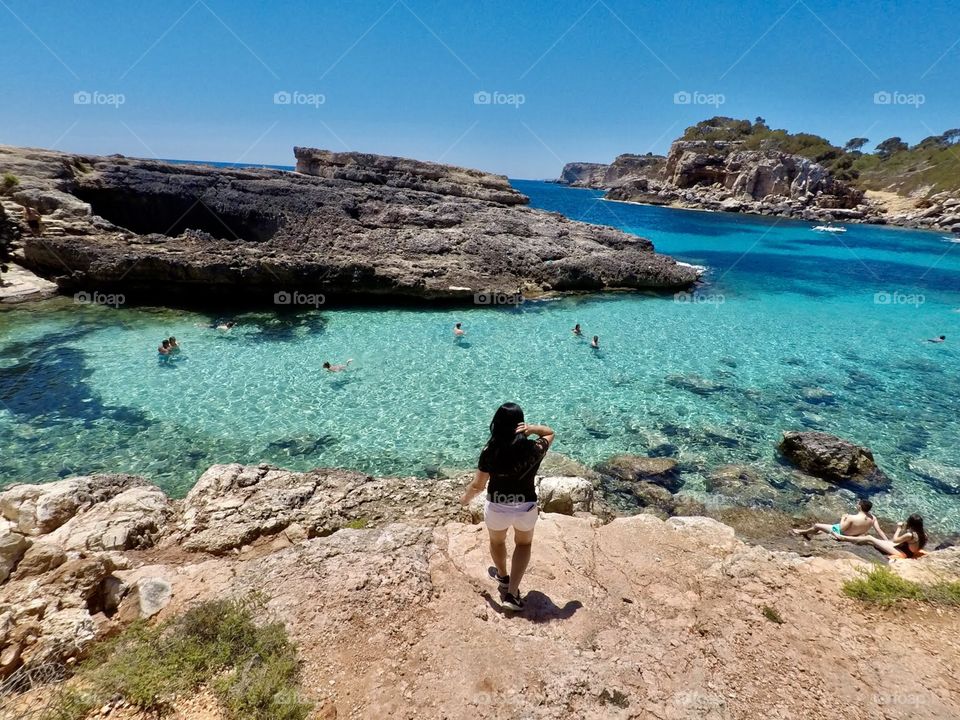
537, 607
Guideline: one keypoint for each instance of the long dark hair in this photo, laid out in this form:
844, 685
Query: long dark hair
505, 442
915, 523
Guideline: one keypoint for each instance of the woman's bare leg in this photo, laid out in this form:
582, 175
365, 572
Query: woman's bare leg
520, 559
884, 546
498, 550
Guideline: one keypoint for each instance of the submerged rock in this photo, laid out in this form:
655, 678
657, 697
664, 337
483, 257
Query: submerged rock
695, 384
743, 485
657, 470
944, 478
833, 459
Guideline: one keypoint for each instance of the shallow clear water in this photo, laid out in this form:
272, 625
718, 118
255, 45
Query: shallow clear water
787, 333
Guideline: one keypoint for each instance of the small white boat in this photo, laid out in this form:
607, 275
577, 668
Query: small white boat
830, 227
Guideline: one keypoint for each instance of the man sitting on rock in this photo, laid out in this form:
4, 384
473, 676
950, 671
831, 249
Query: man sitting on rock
849, 525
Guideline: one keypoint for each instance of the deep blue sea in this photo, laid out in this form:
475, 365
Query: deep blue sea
791, 329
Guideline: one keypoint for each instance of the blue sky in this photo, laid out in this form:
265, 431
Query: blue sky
577, 79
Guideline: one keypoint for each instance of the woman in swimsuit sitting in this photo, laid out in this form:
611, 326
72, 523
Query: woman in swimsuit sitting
908, 540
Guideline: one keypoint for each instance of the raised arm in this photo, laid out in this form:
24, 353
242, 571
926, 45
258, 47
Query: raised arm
901, 535
541, 431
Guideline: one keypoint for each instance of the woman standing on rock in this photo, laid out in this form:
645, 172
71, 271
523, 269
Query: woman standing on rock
509, 462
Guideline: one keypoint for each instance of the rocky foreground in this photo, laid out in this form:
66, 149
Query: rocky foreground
382, 584
344, 225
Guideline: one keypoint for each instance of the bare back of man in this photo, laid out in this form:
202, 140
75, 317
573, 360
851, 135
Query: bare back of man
855, 525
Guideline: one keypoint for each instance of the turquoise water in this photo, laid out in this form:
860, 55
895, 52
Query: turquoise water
786, 333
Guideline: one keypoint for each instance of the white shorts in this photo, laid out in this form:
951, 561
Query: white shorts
502, 516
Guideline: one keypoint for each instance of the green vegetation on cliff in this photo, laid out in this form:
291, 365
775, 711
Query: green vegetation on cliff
930, 166
882, 586
251, 668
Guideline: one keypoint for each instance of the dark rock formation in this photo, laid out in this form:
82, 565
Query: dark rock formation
834, 460
349, 225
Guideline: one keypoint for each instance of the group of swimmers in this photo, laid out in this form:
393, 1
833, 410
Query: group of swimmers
595, 343
169, 349
459, 332
908, 539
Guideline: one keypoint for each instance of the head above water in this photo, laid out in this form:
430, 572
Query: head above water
326, 366
943, 337
864, 505
915, 524
457, 326
503, 427
173, 340
165, 343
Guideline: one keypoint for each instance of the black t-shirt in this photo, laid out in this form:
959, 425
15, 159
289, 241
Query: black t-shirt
514, 483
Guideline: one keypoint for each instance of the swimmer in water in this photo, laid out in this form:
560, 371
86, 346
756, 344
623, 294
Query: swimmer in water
337, 368
942, 338
164, 351
458, 330
577, 331
174, 345
226, 326
595, 343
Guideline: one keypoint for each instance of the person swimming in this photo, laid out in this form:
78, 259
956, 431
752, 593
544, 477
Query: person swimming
855, 525
337, 368
164, 351
225, 325
942, 338
576, 330
174, 345
458, 330
907, 544
595, 343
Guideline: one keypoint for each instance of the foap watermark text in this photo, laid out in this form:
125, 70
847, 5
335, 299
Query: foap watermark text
298, 298
95, 97
515, 100
98, 298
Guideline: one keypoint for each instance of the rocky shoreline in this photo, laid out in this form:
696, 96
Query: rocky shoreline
399, 563
722, 176
345, 225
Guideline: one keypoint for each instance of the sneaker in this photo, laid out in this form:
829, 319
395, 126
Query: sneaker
502, 580
512, 602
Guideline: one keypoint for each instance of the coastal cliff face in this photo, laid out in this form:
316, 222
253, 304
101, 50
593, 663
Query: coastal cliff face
720, 165
348, 224
604, 177
382, 584
722, 176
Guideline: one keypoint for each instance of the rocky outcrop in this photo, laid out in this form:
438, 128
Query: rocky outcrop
660, 631
939, 211
583, 174
397, 172
40, 509
67, 546
348, 225
834, 460
624, 168
724, 177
